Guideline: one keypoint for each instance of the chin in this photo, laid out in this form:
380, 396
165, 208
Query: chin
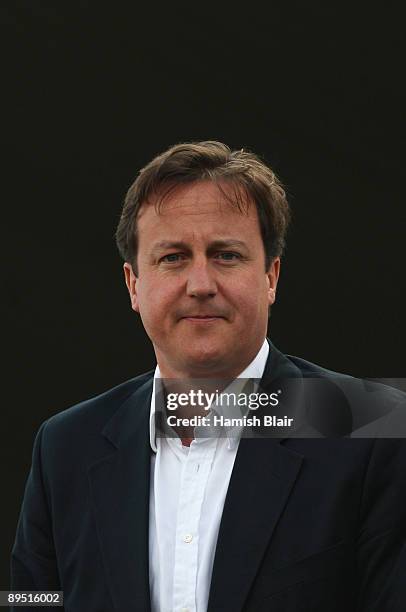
205, 359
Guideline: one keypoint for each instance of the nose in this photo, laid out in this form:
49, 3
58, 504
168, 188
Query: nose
200, 281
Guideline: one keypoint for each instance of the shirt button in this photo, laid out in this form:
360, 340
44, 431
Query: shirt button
188, 538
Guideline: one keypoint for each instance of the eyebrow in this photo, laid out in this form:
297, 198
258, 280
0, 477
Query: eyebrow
213, 246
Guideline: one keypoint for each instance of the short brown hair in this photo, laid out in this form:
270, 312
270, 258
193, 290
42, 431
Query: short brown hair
185, 163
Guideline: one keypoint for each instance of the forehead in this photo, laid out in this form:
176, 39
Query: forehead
195, 204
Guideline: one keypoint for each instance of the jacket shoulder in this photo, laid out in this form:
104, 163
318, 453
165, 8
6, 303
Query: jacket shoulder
309, 369
96, 410
312, 370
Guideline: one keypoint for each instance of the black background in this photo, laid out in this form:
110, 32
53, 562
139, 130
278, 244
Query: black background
93, 90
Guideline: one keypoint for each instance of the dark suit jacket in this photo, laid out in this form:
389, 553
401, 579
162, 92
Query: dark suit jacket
315, 525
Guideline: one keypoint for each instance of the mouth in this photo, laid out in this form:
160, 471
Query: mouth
202, 318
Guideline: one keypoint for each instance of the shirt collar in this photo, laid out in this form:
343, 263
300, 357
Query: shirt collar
254, 370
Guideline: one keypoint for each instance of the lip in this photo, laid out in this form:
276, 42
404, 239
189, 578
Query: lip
202, 319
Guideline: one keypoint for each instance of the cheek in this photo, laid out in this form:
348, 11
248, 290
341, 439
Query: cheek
255, 308
155, 300
250, 298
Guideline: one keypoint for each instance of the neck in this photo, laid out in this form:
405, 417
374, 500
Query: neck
178, 379
208, 371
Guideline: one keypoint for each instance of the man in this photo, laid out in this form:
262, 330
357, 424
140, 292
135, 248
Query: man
124, 515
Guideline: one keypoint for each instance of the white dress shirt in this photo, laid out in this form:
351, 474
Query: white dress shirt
187, 494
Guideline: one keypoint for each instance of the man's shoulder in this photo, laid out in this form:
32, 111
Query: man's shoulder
314, 371
361, 407
96, 411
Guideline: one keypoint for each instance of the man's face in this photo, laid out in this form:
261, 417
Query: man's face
201, 289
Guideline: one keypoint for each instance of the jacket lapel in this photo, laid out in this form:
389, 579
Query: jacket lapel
120, 491
263, 476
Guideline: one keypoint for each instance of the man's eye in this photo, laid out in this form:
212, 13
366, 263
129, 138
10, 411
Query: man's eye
228, 256
171, 258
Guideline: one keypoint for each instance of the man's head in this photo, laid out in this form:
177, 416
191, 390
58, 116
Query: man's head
201, 233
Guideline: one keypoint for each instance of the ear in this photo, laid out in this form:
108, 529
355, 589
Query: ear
132, 285
273, 276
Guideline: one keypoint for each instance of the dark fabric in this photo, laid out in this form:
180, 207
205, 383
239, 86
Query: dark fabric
315, 525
